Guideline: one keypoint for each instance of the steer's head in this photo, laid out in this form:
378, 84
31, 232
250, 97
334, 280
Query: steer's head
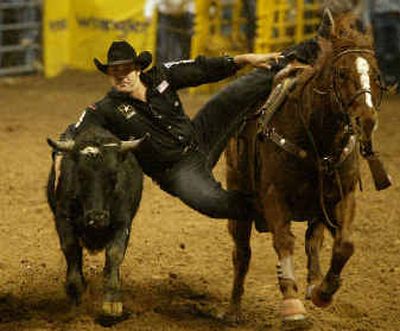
96, 173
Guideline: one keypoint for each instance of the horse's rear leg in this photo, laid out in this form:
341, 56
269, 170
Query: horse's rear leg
239, 154
241, 255
313, 243
343, 249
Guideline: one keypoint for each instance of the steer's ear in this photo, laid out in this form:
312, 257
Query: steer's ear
63, 146
130, 145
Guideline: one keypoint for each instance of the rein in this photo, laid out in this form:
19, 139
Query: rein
326, 165
334, 87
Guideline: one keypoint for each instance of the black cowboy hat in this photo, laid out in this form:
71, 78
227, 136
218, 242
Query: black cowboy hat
121, 52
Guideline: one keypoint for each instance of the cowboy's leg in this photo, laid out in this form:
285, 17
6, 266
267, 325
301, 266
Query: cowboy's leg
226, 111
192, 182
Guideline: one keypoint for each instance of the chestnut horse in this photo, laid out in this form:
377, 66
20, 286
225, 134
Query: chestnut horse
303, 163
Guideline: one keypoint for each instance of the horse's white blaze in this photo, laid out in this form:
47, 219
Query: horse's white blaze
363, 70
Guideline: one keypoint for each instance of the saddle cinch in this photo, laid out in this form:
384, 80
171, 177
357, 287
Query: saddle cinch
381, 178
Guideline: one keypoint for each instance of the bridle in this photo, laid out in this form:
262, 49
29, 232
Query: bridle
334, 87
328, 164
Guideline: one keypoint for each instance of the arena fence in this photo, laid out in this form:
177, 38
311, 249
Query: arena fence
75, 31
284, 22
222, 27
20, 34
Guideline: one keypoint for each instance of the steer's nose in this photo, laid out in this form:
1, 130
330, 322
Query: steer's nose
97, 218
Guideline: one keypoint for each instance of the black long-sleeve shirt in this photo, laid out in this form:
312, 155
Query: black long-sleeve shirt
171, 132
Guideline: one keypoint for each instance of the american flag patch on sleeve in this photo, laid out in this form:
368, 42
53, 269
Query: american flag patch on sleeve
163, 86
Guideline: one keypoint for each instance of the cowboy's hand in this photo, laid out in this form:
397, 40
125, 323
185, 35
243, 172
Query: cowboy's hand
291, 70
258, 60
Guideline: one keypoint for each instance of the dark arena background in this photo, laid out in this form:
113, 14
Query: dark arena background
177, 273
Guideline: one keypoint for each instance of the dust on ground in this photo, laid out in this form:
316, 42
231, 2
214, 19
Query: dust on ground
177, 270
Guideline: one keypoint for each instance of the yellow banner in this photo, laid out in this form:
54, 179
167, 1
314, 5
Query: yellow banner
76, 31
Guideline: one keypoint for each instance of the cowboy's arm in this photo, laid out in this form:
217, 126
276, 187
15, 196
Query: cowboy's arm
205, 70
90, 116
305, 52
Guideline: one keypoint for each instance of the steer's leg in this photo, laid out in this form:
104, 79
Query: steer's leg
313, 243
115, 252
75, 284
342, 250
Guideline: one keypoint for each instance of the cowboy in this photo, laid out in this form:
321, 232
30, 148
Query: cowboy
180, 153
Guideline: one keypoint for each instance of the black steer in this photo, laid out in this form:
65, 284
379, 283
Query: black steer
94, 200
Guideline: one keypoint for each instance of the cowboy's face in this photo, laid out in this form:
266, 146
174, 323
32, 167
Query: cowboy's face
124, 77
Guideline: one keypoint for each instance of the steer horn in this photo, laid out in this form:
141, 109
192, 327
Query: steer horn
63, 146
130, 145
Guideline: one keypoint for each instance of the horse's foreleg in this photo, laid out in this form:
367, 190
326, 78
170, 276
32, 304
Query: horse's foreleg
241, 255
343, 249
313, 243
283, 241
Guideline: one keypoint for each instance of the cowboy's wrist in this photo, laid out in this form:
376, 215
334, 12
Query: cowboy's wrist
234, 61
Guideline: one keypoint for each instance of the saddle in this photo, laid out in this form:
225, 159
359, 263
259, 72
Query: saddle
381, 178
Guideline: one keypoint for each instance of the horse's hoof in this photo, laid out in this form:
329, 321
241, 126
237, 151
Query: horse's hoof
318, 298
233, 318
292, 310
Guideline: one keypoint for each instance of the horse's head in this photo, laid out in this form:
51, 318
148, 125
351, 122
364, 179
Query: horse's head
351, 71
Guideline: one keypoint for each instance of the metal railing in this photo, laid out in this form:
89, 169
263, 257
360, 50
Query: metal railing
285, 22
20, 36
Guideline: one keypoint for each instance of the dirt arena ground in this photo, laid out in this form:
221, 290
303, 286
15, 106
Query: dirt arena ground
178, 264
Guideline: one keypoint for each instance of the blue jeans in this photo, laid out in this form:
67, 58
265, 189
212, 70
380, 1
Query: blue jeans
191, 179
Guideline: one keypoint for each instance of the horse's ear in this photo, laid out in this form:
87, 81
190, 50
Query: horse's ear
327, 27
361, 26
